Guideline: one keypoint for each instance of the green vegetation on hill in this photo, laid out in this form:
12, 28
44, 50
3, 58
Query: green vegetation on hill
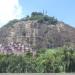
46, 61
41, 18
11, 23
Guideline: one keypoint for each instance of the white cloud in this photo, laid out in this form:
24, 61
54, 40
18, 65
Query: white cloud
9, 9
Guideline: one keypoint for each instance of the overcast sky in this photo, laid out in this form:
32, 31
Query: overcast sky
9, 9
64, 10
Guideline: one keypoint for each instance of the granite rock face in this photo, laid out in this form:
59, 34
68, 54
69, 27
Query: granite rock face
34, 35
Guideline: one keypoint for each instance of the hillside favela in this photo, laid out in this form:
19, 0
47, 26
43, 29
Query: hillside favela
37, 43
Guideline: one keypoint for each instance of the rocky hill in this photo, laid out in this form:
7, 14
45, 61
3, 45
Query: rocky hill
34, 33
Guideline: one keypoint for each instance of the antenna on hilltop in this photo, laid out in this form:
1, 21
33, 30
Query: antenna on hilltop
46, 12
43, 12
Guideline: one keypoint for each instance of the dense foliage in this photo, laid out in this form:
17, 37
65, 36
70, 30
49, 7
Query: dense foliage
46, 61
41, 18
11, 23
